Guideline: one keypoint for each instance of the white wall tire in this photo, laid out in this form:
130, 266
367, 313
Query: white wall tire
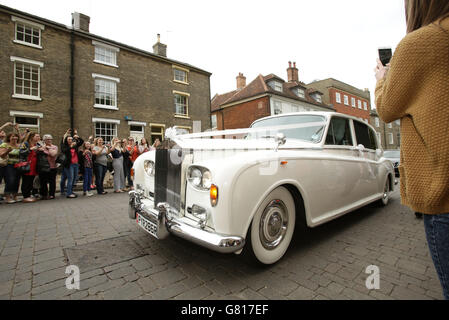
272, 227
385, 193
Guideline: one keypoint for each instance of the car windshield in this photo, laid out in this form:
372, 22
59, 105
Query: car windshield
392, 154
307, 133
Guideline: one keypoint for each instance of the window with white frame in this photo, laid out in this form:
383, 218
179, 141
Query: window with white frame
276, 85
390, 126
137, 128
359, 104
377, 122
181, 104
365, 105
390, 138
105, 130
26, 119
26, 78
346, 99
317, 97
213, 120
105, 54
337, 97
353, 102
398, 122
28, 33
105, 92
300, 92
277, 107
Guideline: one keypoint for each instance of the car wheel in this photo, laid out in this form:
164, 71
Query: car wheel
386, 193
272, 227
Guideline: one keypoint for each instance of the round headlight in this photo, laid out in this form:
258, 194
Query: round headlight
200, 177
196, 177
148, 166
207, 179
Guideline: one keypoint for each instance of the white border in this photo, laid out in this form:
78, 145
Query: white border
37, 63
13, 113
96, 75
137, 123
104, 45
27, 22
100, 106
94, 120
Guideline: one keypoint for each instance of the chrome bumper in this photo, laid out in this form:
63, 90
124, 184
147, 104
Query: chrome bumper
166, 224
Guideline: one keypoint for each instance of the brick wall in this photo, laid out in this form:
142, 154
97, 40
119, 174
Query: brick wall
349, 109
54, 77
144, 93
243, 115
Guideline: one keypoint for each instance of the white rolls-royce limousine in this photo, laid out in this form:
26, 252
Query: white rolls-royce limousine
245, 189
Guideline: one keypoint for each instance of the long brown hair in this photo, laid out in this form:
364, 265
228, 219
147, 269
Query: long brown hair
420, 13
30, 137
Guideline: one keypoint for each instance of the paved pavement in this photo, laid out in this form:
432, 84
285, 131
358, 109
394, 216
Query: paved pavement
38, 241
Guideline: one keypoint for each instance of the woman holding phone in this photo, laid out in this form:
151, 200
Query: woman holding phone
414, 89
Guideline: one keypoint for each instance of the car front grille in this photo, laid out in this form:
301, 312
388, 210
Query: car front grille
168, 180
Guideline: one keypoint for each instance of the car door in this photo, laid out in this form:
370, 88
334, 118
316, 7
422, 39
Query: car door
366, 145
339, 171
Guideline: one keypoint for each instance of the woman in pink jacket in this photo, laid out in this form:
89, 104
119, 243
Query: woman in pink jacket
47, 168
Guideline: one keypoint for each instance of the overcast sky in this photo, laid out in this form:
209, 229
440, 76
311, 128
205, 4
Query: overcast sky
326, 38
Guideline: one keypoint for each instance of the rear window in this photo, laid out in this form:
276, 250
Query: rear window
364, 136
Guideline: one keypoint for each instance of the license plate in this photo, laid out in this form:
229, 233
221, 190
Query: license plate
147, 225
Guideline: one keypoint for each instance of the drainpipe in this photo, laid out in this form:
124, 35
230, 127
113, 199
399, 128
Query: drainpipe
72, 78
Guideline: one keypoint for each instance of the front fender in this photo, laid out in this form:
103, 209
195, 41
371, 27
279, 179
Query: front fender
244, 182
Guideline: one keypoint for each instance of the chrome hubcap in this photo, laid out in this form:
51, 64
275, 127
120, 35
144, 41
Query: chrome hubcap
386, 189
273, 224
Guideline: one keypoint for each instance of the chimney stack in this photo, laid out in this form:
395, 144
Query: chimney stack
159, 48
241, 81
292, 72
80, 21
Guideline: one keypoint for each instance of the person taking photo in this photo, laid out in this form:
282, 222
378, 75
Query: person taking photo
414, 89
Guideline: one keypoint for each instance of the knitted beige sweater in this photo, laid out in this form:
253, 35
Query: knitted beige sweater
416, 90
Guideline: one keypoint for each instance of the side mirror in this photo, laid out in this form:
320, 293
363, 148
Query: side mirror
280, 140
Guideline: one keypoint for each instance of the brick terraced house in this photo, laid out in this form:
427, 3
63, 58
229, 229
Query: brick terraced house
54, 77
345, 98
264, 96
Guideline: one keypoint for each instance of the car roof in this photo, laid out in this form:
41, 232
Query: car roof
326, 114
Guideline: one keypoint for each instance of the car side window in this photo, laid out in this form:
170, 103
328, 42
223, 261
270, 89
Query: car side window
339, 132
364, 136
373, 138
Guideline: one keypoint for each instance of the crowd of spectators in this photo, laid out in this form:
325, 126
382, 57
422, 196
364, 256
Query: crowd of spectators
33, 163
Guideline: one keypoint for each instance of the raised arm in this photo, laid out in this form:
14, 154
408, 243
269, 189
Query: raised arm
411, 68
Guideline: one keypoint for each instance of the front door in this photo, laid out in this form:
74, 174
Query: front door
137, 132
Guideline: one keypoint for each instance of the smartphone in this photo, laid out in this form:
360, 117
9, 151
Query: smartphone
385, 55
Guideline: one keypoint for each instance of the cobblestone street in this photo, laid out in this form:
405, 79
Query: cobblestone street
38, 241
